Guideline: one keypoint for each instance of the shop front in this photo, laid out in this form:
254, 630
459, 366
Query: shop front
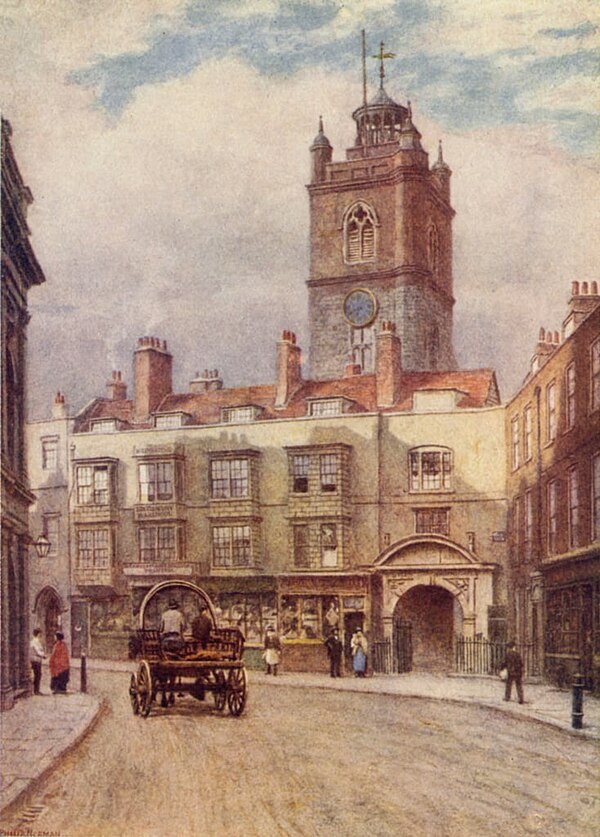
310, 607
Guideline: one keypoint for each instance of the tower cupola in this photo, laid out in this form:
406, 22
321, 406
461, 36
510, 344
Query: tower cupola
381, 119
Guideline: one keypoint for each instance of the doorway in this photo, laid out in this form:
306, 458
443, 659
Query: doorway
48, 612
427, 615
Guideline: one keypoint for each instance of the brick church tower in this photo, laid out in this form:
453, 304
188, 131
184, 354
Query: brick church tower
380, 245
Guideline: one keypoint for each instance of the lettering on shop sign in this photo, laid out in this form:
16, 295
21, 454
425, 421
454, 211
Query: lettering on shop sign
498, 537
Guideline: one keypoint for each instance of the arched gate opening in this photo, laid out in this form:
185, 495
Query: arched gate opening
426, 618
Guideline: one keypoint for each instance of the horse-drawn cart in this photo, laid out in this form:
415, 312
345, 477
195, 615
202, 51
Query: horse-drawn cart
198, 667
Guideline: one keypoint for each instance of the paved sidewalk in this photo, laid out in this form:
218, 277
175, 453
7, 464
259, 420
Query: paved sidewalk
39, 730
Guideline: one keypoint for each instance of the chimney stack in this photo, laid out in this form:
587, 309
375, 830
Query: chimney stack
388, 365
59, 407
153, 375
548, 342
289, 368
584, 298
116, 388
208, 381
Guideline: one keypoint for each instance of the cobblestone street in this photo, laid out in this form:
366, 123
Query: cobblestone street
315, 762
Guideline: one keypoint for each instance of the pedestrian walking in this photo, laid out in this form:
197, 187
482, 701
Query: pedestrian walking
359, 647
36, 655
334, 647
59, 665
272, 652
513, 664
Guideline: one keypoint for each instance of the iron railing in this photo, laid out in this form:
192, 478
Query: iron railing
481, 656
381, 657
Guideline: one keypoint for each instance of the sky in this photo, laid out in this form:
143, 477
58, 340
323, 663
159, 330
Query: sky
166, 146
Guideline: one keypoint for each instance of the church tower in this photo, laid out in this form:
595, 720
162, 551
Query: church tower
380, 245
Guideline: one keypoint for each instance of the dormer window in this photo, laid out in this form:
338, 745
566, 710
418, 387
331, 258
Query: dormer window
326, 407
169, 421
103, 426
240, 415
359, 234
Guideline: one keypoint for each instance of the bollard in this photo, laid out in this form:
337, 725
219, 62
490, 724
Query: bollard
83, 679
577, 714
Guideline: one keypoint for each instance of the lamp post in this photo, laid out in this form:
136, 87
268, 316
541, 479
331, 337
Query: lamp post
42, 546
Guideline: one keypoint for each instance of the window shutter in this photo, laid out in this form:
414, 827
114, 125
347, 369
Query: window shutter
368, 248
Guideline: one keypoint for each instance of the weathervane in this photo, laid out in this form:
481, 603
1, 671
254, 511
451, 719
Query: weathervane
381, 57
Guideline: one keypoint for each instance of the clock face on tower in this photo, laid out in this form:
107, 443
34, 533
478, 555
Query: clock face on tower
360, 307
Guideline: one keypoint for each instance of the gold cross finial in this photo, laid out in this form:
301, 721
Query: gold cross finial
381, 57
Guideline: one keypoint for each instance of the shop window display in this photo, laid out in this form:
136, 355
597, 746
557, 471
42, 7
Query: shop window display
308, 617
251, 613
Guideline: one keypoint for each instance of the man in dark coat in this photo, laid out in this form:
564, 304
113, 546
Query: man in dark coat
514, 667
202, 626
334, 646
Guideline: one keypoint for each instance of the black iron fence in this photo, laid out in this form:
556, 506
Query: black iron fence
381, 657
471, 656
481, 656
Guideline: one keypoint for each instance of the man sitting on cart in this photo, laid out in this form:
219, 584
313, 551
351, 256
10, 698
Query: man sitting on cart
172, 625
202, 626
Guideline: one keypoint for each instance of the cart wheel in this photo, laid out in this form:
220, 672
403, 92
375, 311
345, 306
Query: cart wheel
219, 691
236, 690
144, 688
133, 696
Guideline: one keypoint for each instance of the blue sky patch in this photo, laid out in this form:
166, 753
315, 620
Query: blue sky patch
461, 91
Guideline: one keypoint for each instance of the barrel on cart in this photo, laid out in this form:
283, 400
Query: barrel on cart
210, 665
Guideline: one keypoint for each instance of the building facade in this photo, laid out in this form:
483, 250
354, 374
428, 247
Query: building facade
49, 462
371, 493
553, 444
20, 271
372, 500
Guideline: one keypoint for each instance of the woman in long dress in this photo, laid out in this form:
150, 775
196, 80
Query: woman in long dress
59, 665
359, 647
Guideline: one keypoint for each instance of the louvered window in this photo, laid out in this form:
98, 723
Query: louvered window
359, 234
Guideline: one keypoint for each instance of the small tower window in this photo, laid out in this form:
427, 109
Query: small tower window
361, 344
359, 234
433, 245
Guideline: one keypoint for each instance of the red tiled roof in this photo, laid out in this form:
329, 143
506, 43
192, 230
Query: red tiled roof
478, 385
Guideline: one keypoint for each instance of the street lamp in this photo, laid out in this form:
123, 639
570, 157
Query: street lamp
42, 546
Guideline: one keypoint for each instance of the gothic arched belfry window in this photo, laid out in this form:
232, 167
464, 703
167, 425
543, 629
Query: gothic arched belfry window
359, 233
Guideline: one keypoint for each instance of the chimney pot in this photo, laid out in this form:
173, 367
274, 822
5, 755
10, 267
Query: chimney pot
574, 288
595, 288
542, 336
556, 337
584, 288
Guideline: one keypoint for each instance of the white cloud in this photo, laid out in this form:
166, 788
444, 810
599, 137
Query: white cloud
474, 29
576, 93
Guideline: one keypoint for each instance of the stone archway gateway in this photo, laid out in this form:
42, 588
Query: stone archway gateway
433, 590
432, 616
